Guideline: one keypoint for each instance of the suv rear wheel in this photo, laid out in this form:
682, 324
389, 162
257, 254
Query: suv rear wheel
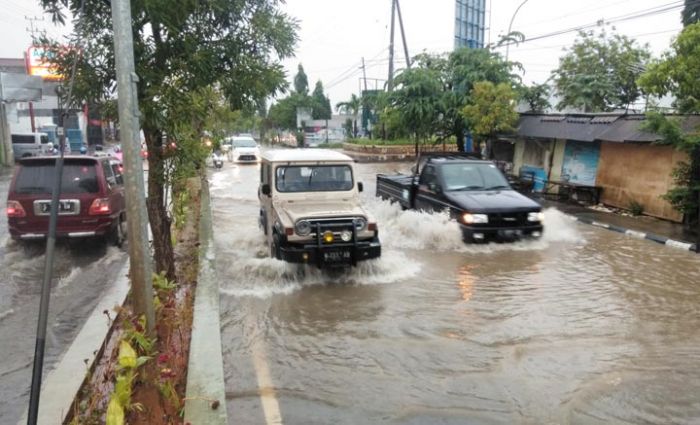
118, 233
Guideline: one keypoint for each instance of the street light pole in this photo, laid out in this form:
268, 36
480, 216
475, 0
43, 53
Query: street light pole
510, 26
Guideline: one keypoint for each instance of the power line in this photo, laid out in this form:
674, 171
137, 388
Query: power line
622, 18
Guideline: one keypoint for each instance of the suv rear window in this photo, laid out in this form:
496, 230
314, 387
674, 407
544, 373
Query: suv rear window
38, 177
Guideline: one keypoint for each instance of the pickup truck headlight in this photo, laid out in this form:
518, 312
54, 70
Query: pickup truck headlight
470, 218
360, 224
535, 216
303, 228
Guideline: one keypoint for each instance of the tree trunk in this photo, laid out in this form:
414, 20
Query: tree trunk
158, 216
459, 134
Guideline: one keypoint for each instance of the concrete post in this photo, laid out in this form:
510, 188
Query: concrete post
139, 254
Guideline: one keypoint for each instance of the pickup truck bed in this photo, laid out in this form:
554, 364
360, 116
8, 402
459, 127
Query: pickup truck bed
395, 188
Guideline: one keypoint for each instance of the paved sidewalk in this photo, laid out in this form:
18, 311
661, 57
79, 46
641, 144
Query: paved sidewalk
653, 228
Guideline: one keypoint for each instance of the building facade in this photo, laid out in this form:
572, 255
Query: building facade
470, 23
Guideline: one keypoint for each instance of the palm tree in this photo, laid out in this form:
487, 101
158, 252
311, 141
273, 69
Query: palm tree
352, 106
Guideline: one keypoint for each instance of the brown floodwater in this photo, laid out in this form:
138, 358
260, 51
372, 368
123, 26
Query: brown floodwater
585, 326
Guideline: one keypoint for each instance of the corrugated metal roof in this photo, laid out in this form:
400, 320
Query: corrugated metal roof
594, 127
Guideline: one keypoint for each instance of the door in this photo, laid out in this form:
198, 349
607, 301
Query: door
115, 184
429, 196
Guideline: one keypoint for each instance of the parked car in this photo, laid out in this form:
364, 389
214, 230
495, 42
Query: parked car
310, 209
242, 149
30, 144
91, 203
474, 192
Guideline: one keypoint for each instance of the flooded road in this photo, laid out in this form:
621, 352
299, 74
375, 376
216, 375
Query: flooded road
585, 326
83, 271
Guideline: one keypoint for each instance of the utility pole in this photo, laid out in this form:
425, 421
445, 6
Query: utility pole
364, 72
390, 82
403, 35
141, 269
31, 29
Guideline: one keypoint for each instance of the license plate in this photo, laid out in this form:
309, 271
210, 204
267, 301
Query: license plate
63, 207
510, 233
336, 256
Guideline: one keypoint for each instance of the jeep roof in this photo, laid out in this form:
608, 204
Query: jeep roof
304, 155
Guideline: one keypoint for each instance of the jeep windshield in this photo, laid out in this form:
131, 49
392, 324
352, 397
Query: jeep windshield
473, 176
317, 178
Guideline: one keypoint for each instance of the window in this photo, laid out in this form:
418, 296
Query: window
118, 171
38, 177
320, 178
474, 176
428, 177
23, 138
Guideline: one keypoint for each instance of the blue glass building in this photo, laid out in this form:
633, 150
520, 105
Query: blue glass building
470, 23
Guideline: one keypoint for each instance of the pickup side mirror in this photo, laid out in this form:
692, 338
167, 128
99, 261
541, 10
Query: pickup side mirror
265, 189
435, 187
360, 186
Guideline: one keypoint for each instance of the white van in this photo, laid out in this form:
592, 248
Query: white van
30, 144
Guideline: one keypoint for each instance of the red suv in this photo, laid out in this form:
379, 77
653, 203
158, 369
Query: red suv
91, 202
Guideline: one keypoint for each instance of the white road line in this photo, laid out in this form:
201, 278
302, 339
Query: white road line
681, 245
268, 398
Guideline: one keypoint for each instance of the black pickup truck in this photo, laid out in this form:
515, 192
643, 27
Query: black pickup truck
473, 191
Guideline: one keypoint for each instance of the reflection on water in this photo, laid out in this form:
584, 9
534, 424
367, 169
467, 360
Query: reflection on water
583, 326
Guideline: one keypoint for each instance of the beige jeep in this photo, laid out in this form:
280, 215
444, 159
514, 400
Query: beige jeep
310, 209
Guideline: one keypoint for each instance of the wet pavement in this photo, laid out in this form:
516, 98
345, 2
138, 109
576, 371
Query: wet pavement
82, 273
585, 326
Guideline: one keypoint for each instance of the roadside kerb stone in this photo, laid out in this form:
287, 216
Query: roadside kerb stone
206, 393
639, 235
60, 387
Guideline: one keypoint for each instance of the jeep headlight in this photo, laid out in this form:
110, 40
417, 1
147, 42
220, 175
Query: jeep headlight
470, 218
360, 224
535, 216
302, 228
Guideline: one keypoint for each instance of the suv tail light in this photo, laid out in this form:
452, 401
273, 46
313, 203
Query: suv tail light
100, 206
15, 209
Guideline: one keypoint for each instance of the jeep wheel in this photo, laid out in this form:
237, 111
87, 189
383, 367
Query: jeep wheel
275, 246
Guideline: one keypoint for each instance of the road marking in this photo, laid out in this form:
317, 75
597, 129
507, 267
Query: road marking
636, 234
268, 398
681, 245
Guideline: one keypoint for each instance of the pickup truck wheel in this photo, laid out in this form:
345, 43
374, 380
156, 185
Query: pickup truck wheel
275, 246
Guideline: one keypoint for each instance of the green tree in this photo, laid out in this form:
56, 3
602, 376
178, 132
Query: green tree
466, 67
320, 103
353, 107
491, 110
180, 53
691, 12
599, 72
418, 99
676, 73
301, 82
536, 96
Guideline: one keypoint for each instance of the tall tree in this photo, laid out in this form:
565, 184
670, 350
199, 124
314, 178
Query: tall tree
417, 97
301, 82
691, 12
234, 45
353, 107
676, 73
466, 67
320, 103
599, 72
491, 110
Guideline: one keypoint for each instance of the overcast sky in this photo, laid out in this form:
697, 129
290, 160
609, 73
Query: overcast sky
336, 34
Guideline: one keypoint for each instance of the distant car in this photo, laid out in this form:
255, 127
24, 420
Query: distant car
30, 144
243, 149
92, 200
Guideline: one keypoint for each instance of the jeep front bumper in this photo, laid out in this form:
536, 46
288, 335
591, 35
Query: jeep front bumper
332, 255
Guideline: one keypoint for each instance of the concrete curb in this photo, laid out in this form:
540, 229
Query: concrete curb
639, 235
60, 387
205, 374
